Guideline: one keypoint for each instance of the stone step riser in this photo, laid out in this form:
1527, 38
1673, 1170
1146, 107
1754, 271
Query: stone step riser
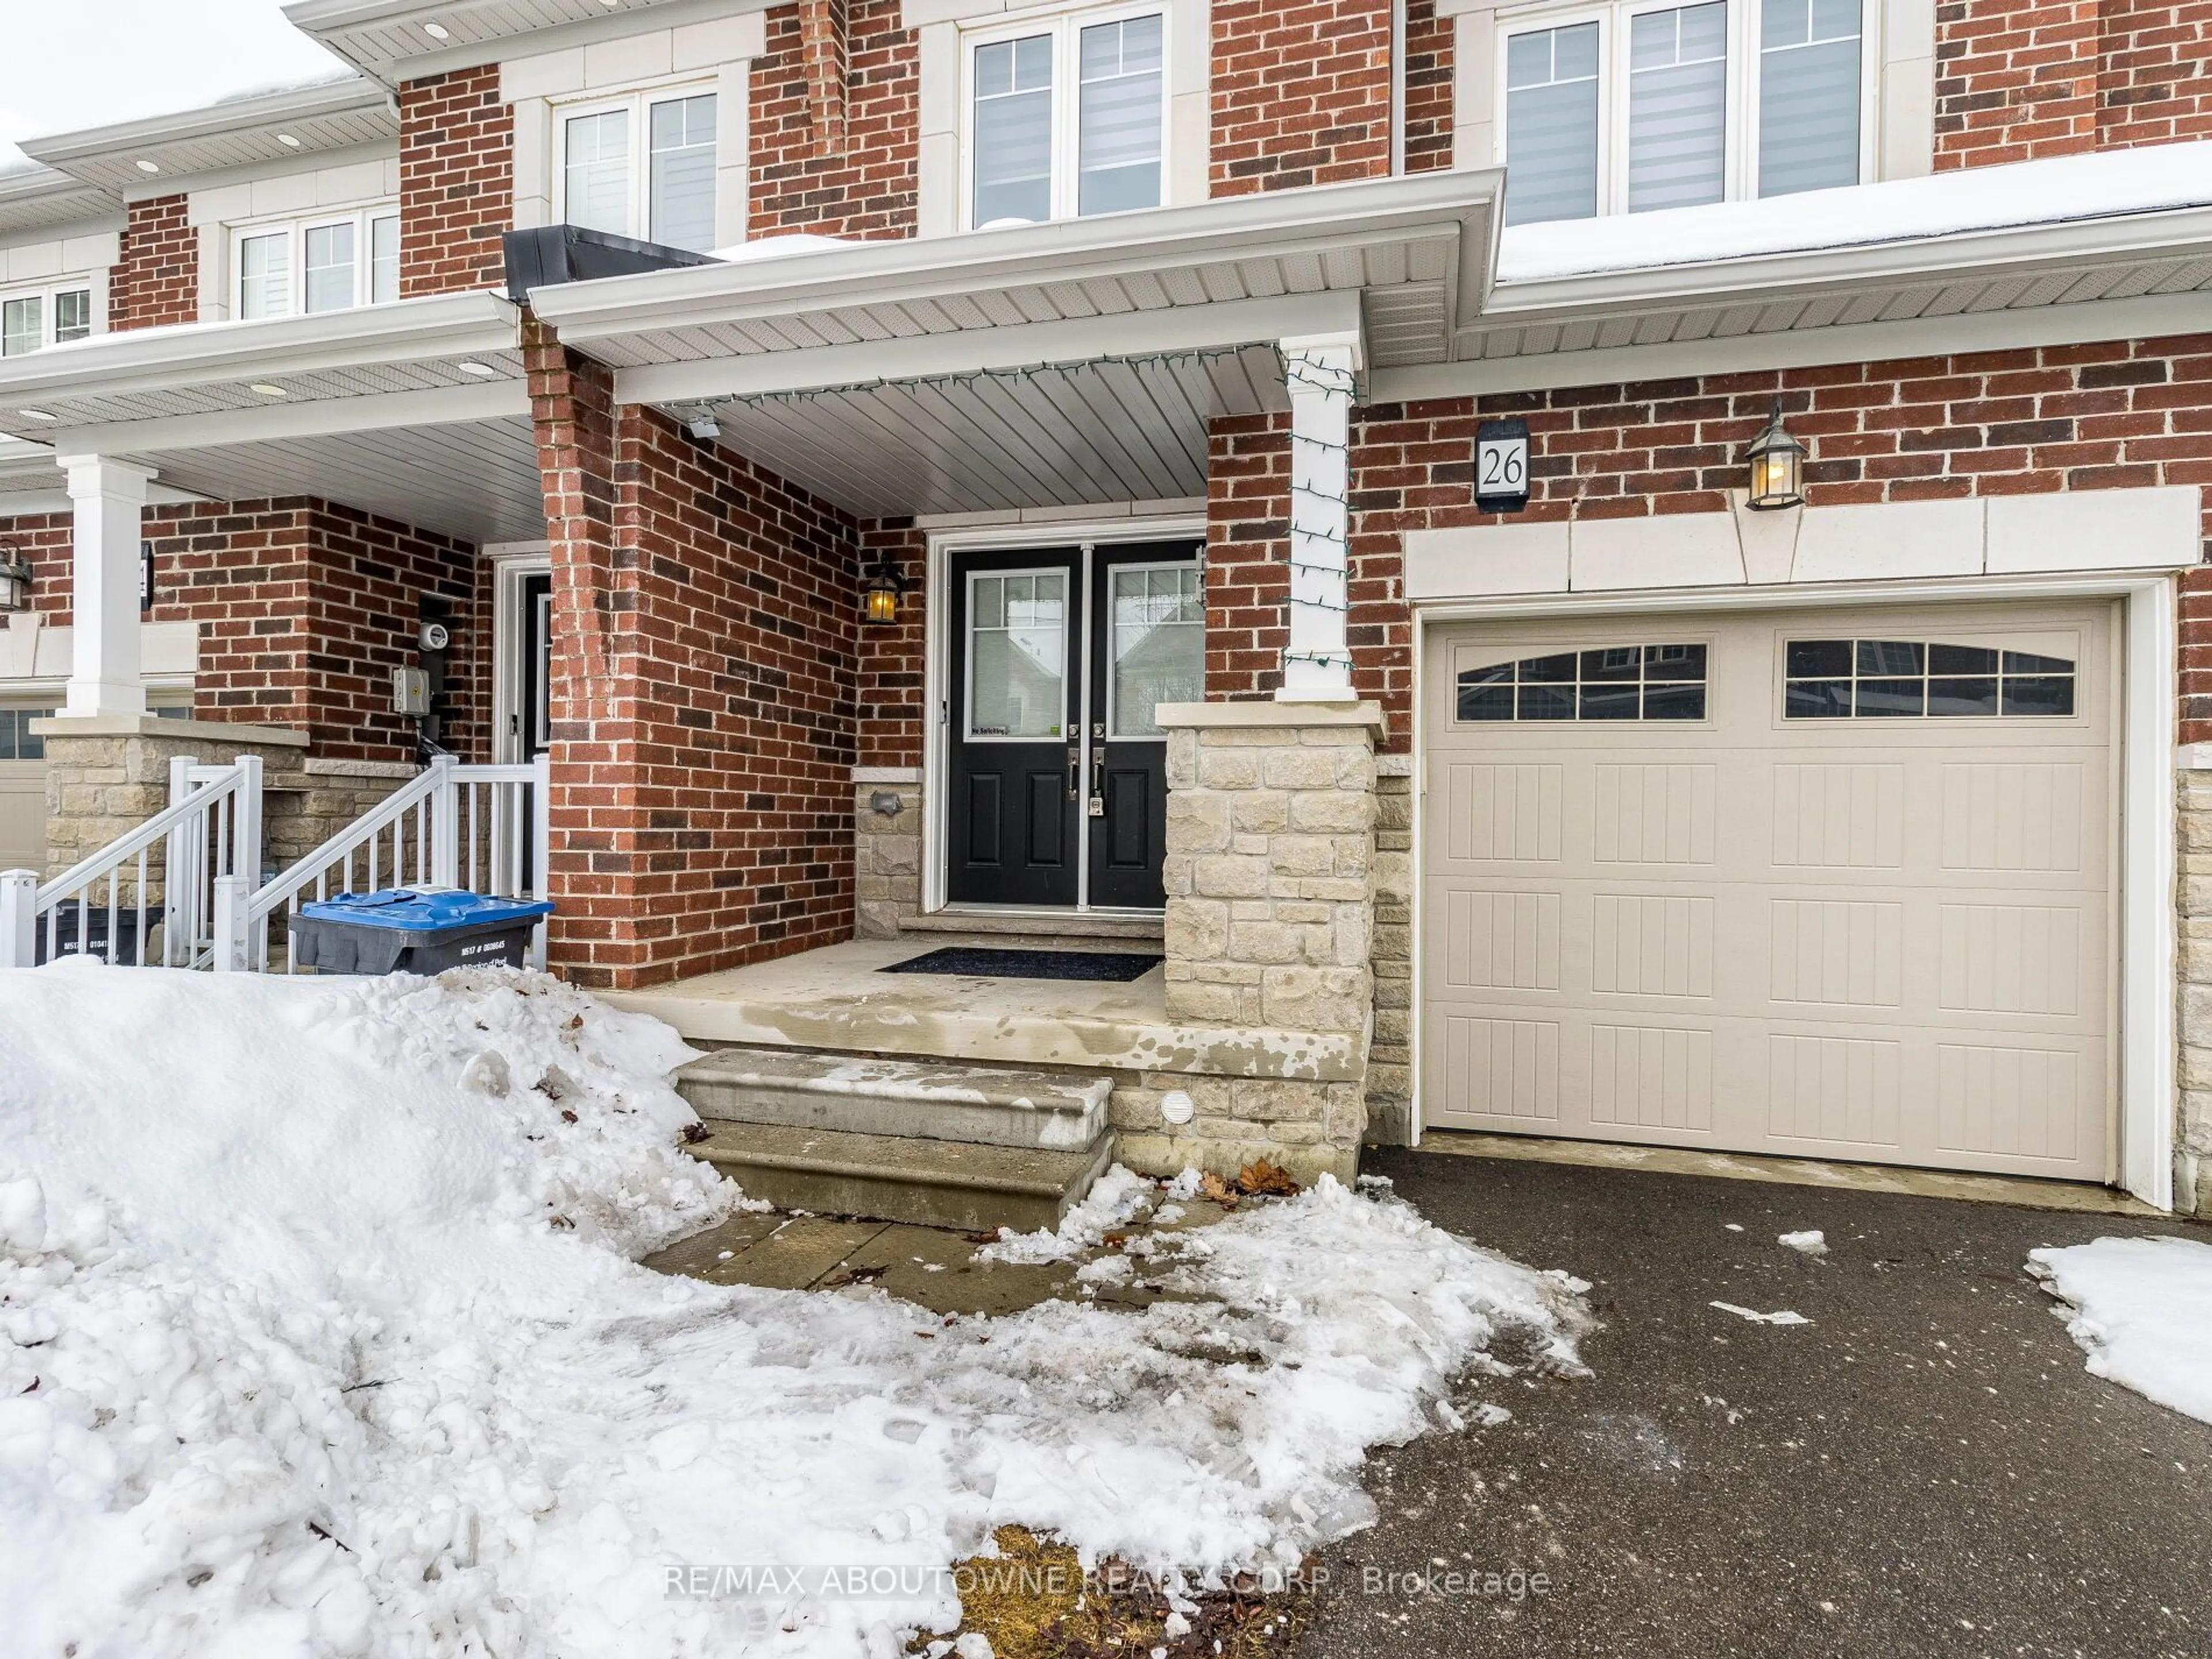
925, 1183
978, 1123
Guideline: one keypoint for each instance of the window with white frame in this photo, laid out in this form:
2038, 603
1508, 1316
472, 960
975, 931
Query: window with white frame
53, 313
642, 167
1067, 117
1636, 105
326, 262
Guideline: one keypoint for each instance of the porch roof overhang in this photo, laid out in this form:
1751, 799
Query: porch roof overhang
417, 410
1042, 365
388, 39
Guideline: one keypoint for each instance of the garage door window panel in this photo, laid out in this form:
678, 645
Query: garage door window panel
1880, 679
1606, 682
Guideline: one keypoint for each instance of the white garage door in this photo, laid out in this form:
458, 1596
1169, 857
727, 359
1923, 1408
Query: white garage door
22, 790
1832, 884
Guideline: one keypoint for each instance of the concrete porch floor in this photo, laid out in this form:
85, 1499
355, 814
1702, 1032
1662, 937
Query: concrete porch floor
839, 999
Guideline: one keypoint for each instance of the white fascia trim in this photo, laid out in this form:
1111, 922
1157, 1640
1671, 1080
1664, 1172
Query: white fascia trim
149, 359
338, 96
326, 19
2149, 969
1301, 223
1228, 323
2080, 323
377, 411
2009, 251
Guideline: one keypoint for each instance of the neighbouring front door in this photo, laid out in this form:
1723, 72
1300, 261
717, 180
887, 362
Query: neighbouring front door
1057, 765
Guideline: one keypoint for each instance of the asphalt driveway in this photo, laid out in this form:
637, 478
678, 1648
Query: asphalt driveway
1924, 1469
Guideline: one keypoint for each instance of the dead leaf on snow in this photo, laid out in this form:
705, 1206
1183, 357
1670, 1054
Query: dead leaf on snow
1260, 1178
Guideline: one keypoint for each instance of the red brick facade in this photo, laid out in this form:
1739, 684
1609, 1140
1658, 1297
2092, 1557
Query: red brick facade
2020, 79
1428, 84
2064, 418
892, 675
304, 610
456, 182
852, 173
1247, 549
1301, 95
705, 616
157, 280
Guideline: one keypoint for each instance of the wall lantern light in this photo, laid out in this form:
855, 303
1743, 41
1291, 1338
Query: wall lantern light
14, 579
881, 596
1777, 466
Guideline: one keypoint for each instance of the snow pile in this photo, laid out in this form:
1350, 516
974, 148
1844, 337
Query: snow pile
2141, 1310
1812, 1242
319, 1335
1117, 1198
2052, 191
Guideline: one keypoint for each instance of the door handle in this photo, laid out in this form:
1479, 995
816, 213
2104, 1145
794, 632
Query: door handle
1075, 772
1098, 808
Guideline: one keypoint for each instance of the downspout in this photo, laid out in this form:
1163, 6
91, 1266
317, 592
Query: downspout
1397, 87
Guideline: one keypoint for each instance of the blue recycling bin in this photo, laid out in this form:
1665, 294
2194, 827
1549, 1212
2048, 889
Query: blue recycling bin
405, 932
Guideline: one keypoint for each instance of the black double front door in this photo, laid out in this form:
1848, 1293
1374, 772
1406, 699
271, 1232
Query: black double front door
1060, 655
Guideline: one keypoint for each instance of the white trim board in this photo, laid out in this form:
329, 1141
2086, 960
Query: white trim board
2149, 974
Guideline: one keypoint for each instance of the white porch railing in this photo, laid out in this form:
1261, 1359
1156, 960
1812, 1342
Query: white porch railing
480, 829
208, 835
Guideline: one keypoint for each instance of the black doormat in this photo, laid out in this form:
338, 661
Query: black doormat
1115, 966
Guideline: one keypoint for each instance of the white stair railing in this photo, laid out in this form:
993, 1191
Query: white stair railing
480, 829
209, 835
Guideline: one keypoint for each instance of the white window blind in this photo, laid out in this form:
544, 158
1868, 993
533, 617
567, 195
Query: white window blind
1551, 124
681, 205
596, 157
1014, 129
1808, 95
330, 266
384, 258
264, 275
1677, 107
1119, 146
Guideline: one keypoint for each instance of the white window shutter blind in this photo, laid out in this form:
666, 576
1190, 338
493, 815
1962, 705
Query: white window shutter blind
1551, 124
1012, 130
1118, 65
596, 155
1808, 95
683, 173
1677, 107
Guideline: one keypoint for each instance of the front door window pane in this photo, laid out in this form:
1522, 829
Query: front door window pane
72, 315
22, 324
1159, 647
264, 275
384, 259
1017, 655
1012, 133
683, 173
1551, 124
1119, 110
329, 266
1677, 107
1808, 95
596, 155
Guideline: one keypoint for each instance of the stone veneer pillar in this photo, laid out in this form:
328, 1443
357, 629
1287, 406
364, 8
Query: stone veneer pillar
2192, 1129
886, 848
1270, 878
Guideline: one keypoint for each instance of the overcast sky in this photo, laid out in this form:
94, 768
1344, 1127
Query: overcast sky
73, 63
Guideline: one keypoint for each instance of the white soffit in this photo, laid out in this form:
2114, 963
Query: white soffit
1093, 431
1402, 249
391, 40
361, 357
34, 197
329, 115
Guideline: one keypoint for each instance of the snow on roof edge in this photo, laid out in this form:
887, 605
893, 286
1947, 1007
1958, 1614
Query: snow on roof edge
2053, 190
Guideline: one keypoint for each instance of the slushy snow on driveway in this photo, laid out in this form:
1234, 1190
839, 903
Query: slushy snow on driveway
320, 1333
2141, 1310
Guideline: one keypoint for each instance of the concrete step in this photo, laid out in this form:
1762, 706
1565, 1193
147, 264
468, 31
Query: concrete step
946, 1100
1033, 930
928, 1183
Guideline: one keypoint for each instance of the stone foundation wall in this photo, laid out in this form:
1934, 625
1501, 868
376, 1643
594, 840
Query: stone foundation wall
886, 848
1270, 874
2192, 1131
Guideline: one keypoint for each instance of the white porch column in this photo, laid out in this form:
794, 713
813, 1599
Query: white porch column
109, 497
1321, 369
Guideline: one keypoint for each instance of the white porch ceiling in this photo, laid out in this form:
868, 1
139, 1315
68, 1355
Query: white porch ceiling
1095, 431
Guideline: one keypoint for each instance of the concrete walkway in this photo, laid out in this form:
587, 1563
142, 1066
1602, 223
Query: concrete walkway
1924, 1469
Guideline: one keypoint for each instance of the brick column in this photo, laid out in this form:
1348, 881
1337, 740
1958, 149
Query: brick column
1271, 887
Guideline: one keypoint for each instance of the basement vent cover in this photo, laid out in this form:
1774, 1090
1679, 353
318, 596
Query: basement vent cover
1115, 966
